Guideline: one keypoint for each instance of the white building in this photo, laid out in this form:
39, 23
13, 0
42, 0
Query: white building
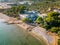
42, 15
54, 9
26, 2
8, 0
4, 6
31, 14
22, 16
28, 14
57, 10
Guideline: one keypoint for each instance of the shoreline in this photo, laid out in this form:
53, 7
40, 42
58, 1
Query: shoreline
33, 32
40, 38
24, 26
50, 39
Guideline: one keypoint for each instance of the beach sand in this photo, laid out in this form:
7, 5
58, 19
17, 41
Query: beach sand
48, 38
55, 38
40, 38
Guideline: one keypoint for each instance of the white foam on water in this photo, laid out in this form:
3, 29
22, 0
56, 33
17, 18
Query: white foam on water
2, 20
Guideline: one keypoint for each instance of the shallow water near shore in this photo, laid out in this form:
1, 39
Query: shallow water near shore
14, 35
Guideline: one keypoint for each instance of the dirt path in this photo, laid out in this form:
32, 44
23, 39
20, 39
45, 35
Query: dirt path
55, 38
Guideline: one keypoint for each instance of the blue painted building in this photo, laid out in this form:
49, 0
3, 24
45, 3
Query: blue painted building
30, 15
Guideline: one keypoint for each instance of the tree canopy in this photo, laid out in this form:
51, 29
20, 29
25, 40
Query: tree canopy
53, 21
15, 10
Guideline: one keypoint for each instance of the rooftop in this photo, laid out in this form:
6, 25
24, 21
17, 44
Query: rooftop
26, 2
4, 6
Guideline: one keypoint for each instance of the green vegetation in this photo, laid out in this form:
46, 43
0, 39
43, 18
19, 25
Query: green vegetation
56, 29
27, 20
59, 42
59, 33
14, 11
51, 22
42, 6
39, 20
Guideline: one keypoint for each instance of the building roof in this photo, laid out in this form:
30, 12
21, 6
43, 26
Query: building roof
57, 10
24, 2
42, 15
4, 6
32, 14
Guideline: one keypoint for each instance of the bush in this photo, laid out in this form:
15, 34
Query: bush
58, 41
15, 10
59, 33
53, 21
55, 29
27, 20
39, 20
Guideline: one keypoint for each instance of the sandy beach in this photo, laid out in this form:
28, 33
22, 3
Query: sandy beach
41, 34
34, 34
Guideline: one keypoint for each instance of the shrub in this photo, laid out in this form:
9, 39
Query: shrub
27, 20
55, 29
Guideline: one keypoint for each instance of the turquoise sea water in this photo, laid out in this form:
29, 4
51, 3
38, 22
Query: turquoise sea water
14, 35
